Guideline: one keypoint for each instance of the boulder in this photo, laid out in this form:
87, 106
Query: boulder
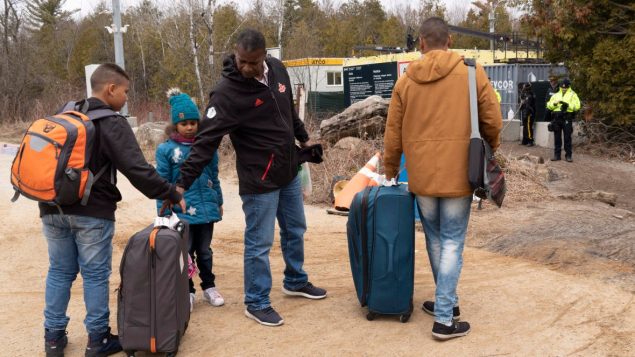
348, 143
365, 119
149, 136
531, 158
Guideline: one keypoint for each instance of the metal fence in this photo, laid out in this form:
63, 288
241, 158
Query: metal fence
508, 78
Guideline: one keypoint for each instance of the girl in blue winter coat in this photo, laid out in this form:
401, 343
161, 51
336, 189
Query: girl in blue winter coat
204, 198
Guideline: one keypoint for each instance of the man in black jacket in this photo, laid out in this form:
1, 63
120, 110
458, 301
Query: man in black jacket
253, 103
80, 239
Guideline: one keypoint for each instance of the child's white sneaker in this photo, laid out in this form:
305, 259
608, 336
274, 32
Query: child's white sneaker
213, 297
192, 299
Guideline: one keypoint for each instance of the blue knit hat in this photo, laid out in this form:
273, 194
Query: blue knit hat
182, 107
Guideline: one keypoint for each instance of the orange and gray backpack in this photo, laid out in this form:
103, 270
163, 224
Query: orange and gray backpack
51, 165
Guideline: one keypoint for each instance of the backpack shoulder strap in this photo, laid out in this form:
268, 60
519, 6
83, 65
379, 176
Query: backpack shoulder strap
73, 106
68, 106
101, 113
471, 75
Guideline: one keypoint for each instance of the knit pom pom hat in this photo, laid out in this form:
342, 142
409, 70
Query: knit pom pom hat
182, 107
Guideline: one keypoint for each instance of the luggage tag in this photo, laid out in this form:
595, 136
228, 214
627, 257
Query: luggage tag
391, 182
172, 222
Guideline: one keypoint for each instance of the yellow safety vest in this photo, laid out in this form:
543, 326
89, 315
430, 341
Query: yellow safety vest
569, 97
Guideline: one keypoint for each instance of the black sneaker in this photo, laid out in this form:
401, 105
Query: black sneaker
555, 158
457, 329
267, 316
308, 291
530, 144
428, 307
568, 158
102, 344
54, 342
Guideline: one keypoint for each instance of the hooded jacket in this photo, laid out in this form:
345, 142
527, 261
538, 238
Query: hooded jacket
204, 197
262, 125
429, 121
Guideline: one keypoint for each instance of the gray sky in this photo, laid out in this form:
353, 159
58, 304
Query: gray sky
86, 6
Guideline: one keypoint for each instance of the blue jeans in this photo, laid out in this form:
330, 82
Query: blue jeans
445, 224
261, 211
78, 243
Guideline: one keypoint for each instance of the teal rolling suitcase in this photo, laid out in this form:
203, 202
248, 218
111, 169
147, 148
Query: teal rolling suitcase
380, 233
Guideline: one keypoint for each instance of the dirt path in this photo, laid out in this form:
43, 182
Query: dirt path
516, 307
586, 173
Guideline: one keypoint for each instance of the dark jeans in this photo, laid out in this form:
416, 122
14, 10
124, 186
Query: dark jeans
562, 127
528, 128
201, 251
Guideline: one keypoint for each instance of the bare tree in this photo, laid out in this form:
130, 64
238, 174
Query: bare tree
194, 46
208, 19
143, 59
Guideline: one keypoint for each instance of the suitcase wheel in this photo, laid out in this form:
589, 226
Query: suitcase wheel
170, 354
371, 316
404, 318
130, 353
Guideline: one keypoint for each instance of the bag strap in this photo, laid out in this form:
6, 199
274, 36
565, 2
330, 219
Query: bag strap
101, 113
471, 76
91, 180
72, 107
91, 114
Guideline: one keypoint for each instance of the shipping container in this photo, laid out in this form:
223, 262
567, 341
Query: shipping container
508, 78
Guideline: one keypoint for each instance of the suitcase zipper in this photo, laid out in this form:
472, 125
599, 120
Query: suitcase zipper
153, 295
364, 242
372, 242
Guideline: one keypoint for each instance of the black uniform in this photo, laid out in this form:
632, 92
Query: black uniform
528, 114
552, 90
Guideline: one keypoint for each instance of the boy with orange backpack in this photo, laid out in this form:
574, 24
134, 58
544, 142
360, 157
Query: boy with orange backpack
78, 208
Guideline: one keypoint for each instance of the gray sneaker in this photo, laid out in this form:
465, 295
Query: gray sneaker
267, 316
308, 291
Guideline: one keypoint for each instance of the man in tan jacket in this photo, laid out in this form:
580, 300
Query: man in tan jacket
429, 121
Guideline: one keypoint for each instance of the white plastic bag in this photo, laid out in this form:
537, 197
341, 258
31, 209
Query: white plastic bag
305, 178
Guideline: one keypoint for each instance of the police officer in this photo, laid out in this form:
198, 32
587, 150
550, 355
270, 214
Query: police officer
563, 107
527, 113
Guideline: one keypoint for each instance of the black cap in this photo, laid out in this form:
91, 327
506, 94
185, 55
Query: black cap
566, 83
